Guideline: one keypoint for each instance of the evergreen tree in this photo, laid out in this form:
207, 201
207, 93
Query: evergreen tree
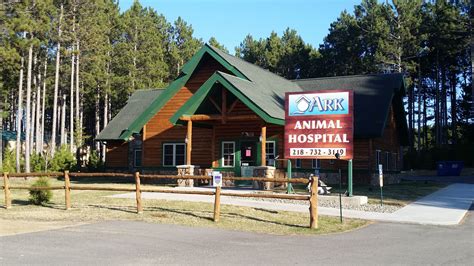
213, 42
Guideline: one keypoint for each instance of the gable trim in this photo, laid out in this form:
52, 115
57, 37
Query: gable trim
190, 107
186, 73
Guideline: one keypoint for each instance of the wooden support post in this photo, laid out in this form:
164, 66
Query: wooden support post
138, 193
213, 147
263, 141
67, 190
189, 143
8, 201
313, 203
217, 204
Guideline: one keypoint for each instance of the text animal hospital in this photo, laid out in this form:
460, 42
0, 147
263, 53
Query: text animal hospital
319, 125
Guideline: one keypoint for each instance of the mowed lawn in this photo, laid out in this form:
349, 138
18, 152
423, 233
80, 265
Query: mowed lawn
400, 194
91, 206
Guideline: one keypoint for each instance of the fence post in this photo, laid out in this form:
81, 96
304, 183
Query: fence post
8, 201
138, 193
67, 189
217, 204
313, 203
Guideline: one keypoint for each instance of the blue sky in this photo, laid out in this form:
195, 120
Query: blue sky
229, 21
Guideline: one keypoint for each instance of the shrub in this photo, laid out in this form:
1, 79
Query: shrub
37, 162
9, 161
63, 160
40, 197
95, 163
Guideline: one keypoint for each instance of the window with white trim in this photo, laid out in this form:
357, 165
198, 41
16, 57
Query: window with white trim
228, 154
298, 163
137, 158
174, 154
316, 163
270, 153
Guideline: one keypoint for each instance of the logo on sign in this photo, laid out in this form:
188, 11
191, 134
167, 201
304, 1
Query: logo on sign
336, 103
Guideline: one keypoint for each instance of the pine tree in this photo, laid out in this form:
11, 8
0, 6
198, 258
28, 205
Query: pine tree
213, 42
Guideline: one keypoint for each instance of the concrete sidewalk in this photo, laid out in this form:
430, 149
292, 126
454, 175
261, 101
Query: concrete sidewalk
447, 206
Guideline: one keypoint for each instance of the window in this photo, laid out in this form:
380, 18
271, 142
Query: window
137, 158
387, 160
174, 154
377, 159
298, 163
270, 150
316, 163
228, 154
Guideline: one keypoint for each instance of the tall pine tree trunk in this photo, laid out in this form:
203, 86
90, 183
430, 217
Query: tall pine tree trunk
436, 105
105, 115
56, 85
71, 108
453, 109
43, 106
71, 92
38, 112
33, 122
19, 118
28, 109
97, 119
63, 120
81, 114
78, 121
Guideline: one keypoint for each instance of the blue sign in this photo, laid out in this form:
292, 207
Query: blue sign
328, 103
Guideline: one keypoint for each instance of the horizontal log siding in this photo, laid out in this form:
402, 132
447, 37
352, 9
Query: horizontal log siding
160, 130
117, 154
390, 142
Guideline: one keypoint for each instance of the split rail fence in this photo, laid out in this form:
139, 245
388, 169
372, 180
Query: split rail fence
67, 187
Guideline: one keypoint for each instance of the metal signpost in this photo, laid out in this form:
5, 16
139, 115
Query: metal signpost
381, 183
340, 189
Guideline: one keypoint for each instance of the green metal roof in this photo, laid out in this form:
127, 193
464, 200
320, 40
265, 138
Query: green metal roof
264, 93
136, 105
373, 95
8, 135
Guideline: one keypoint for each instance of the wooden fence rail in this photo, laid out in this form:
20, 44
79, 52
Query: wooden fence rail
217, 193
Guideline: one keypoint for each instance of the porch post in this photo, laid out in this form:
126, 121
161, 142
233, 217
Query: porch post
263, 141
189, 142
213, 147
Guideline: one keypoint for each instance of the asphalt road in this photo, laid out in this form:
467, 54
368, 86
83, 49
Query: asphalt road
138, 243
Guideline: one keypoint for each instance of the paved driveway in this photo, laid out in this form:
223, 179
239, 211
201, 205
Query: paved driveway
122, 242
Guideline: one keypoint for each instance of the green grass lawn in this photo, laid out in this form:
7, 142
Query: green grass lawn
396, 194
91, 206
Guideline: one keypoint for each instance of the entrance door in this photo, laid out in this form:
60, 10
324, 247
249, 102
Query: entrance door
248, 153
248, 160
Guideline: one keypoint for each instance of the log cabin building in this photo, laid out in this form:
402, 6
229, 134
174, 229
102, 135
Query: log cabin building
226, 114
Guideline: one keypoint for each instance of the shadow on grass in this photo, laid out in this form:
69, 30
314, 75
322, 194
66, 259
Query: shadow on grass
183, 212
263, 220
47, 205
264, 210
121, 209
